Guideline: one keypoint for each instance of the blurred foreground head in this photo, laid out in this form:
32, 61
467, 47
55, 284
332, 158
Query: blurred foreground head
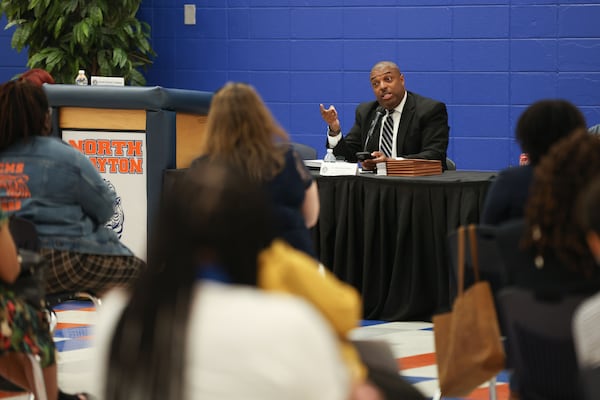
212, 218
213, 214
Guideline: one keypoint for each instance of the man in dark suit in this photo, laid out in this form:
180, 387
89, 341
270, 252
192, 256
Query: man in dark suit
420, 124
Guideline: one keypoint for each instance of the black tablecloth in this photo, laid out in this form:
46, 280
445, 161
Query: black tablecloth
387, 236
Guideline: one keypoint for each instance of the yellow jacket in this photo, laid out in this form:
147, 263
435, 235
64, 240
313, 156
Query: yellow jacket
285, 269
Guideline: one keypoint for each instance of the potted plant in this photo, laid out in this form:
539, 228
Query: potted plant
102, 37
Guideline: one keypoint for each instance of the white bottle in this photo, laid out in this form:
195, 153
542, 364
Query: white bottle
81, 79
329, 157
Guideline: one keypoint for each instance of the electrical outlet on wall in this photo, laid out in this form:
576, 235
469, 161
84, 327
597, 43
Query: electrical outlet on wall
189, 14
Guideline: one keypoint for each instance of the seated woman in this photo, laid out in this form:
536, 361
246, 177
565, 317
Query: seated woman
547, 250
57, 188
24, 330
195, 326
540, 126
241, 131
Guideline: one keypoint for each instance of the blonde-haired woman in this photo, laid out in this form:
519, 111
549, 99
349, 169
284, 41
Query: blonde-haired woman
242, 132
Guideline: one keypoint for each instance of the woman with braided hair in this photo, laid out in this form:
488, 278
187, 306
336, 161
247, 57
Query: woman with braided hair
553, 251
546, 252
551, 221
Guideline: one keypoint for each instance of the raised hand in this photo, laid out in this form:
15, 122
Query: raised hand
330, 116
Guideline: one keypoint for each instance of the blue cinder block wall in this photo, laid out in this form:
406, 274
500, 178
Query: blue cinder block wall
486, 59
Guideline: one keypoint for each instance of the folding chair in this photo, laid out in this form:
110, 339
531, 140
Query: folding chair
540, 340
306, 152
490, 262
25, 236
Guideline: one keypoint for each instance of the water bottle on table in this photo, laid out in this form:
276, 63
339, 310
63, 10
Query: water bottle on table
329, 156
81, 79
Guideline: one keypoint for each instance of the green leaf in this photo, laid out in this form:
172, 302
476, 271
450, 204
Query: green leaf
33, 4
136, 78
85, 29
72, 5
96, 16
53, 56
119, 57
13, 23
20, 37
58, 27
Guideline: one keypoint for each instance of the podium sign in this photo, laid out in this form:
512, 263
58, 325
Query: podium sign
339, 168
120, 158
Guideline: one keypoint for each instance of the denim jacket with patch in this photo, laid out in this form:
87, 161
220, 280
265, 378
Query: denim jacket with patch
48, 182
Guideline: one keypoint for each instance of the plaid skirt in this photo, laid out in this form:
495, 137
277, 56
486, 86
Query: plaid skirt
24, 329
70, 271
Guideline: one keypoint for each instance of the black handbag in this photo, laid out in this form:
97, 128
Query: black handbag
30, 285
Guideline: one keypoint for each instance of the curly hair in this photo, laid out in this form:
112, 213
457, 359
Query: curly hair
551, 223
544, 123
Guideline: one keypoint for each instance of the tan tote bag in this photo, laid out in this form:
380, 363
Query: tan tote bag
468, 344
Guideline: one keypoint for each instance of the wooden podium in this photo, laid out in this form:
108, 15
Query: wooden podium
132, 135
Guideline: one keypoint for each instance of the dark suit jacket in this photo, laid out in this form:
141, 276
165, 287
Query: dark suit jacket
423, 130
506, 198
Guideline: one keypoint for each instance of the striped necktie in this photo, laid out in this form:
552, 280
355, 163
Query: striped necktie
387, 136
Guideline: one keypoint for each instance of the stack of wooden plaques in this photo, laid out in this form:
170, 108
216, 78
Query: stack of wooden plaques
410, 167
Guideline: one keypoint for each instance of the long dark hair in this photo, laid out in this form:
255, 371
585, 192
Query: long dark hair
551, 220
23, 112
211, 215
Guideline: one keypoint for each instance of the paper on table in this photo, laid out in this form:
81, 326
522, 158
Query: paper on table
339, 168
313, 163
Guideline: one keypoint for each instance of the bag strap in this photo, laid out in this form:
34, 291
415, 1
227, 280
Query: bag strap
461, 259
474, 250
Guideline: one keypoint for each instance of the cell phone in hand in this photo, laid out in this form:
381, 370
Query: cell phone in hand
364, 155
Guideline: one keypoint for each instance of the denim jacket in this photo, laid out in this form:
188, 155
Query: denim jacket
50, 183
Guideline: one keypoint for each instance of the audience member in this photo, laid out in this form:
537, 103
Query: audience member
554, 254
178, 334
524, 158
546, 251
37, 76
57, 188
241, 131
24, 329
538, 128
419, 125
284, 269
587, 317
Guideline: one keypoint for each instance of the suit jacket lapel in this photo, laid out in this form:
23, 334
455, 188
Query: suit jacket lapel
407, 115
